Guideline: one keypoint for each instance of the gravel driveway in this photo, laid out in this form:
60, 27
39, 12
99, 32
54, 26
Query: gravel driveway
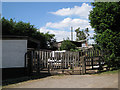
72, 81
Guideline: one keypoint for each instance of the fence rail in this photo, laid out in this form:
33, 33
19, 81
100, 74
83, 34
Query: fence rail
38, 60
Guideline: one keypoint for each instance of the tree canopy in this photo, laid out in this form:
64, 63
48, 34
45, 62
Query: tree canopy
81, 34
105, 18
67, 45
11, 27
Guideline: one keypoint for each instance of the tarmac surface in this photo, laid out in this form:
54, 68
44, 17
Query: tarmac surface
71, 81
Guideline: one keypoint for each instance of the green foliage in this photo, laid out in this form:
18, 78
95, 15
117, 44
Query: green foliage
50, 40
112, 71
67, 45
105, 18
81, 35
105, 15
75, 50
96, 46
11, 27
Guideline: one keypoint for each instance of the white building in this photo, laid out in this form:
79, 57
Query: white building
13, 54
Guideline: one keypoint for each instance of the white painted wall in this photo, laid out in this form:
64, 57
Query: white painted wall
13, 52
83, 45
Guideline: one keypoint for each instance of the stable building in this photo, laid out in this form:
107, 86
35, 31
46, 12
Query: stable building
14, 49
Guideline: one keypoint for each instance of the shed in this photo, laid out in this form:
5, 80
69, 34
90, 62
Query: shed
13, 54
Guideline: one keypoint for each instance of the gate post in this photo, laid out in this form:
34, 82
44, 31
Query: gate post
49, 68
100, 66
83, 65
38, 62
26, 64
30, 59
92, 62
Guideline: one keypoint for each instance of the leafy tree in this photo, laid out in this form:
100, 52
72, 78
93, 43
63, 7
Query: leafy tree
11, 27
105, 18
50, 40
81, 35
67, 45
7, 26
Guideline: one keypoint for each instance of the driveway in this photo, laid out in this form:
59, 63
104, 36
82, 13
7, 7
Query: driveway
71, 81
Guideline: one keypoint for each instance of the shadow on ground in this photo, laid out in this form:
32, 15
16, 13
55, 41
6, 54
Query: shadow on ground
25, 78
37, 76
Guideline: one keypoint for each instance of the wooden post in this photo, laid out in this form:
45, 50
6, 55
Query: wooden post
88, 55
52, 63
87, 59
79, 60
49, 68
62, 71
68, 60
38, 60
56, 56
35, 61
30, 63
47, 58
84, 65
92, 58
99, 65
65, 59
42, 59
73, 61
44, 56
26, 62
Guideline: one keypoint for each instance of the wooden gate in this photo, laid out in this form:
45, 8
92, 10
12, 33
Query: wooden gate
38, 61
94, 61
66, 62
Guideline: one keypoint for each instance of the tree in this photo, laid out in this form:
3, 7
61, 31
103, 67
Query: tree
50, 40
7, 26
104, 18
81, 35
67, 45
11, 27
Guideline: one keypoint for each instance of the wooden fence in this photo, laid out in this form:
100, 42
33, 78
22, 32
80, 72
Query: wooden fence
37, 61
94, 60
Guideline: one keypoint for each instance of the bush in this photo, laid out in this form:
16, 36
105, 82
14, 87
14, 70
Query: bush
67, 45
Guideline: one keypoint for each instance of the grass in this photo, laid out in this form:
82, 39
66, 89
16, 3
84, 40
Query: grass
110, 72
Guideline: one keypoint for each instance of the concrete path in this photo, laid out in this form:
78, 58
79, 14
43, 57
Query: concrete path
72, 81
